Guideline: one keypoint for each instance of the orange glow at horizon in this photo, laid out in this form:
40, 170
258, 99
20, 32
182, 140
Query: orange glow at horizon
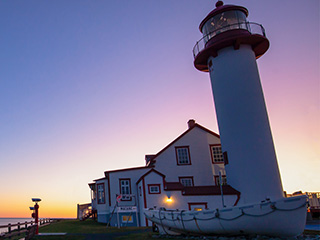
19, 208
100, 95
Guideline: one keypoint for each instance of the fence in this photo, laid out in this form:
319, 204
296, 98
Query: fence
18, 228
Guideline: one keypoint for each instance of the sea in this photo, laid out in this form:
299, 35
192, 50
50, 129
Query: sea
6, 221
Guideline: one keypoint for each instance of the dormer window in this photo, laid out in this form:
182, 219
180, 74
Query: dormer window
183, 155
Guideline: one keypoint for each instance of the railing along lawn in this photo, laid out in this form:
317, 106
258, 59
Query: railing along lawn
18, 229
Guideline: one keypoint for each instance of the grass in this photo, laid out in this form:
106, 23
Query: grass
74, 226
66, 237
77, 229
88, 226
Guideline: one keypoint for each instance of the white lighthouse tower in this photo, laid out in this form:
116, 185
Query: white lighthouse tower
228, 51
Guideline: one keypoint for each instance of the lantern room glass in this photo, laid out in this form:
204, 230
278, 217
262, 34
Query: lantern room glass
224, 21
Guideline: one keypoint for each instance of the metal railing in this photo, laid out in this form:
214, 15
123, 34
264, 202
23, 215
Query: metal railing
253, 28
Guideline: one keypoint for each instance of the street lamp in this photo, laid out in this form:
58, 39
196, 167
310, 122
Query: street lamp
35, 213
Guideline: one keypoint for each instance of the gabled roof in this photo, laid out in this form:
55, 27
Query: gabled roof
106, 173
147, 173
196, 125
99, 179
92, 186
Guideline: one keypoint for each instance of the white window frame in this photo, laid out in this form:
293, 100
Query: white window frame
101, 193
186, 181
217, 180
183, 155
125, 189
154, 189
216, 153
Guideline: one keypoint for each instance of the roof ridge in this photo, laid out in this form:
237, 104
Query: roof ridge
181, 135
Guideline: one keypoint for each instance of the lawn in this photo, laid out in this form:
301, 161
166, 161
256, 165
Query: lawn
75, 226
78, 230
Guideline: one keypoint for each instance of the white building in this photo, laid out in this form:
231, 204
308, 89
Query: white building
183, 175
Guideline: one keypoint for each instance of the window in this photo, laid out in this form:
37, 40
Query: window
183, 155
197, 206
186, 181
93, 195
93, 191
125, 189
126, 219
224, 21
216, 153
101, 196
154, 188
217, 180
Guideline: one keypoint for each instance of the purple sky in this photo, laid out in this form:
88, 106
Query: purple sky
88, 86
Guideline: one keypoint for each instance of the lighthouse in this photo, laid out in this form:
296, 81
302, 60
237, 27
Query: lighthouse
228, 51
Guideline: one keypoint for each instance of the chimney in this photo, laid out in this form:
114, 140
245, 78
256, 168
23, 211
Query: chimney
191, 123
149, 158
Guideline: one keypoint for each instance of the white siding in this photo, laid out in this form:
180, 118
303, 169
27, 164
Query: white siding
201, 167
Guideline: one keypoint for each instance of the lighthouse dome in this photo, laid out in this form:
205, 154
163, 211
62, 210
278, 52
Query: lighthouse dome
221, 16
226, 26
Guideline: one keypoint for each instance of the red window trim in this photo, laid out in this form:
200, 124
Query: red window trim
216, 177
121, 179
179, 164
188, 177
104, 194
190, 204
109, 195
145, 199
154, 185
212, 158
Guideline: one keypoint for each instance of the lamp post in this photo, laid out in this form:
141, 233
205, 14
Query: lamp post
35, 213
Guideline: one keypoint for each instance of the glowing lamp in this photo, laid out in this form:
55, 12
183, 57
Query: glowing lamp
169, 200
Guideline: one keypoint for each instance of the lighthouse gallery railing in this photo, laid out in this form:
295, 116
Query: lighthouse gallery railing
253, 28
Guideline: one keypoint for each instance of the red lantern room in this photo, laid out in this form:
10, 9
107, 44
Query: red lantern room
226, 26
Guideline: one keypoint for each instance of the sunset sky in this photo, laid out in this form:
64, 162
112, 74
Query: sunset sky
93, 85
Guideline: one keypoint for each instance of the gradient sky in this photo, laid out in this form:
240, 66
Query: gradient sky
90, 85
